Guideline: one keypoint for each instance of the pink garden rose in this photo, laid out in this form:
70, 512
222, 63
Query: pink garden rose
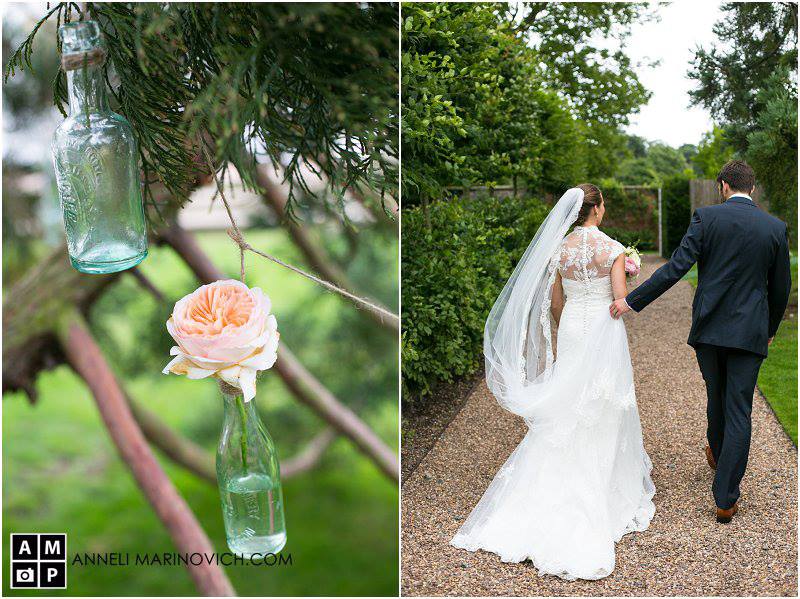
631, 268
224, 330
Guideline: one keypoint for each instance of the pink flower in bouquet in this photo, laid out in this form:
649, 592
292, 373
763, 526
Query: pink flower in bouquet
631, 268
224, 330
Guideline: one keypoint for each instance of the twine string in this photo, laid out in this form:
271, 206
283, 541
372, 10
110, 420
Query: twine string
236, 235
73, 62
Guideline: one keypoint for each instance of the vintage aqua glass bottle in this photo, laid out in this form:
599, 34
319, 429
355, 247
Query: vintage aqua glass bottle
248, 474
96, 164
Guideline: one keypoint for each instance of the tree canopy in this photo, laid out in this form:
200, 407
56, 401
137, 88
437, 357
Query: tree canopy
713, 152
748, 80
491, 95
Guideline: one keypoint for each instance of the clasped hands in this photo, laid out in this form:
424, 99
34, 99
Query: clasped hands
618, 308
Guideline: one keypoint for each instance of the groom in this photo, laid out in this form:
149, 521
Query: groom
743, 284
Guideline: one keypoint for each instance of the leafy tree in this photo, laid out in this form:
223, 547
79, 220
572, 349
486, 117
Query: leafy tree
689, 151
445, 53
489, 100
651, 163
730, 73
600, 85
713, 152
637, 146
666, 160
637, 171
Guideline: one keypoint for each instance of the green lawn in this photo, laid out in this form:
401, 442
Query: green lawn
778, 376
61, 473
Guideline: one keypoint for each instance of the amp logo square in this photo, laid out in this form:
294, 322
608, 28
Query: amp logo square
38, 561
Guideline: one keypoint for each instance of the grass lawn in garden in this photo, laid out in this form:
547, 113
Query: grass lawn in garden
61, 472
778, 376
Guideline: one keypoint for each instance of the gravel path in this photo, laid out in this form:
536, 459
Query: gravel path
684, 552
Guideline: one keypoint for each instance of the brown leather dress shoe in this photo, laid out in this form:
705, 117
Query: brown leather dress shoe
725, 516
710, 457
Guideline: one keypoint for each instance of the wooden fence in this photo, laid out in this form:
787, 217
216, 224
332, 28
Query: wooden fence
704, 192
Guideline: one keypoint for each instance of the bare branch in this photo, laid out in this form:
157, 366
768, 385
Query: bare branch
146, 284
299, 380
311, 251
310, 391
177, 448
87, 360
200, 462
309, 456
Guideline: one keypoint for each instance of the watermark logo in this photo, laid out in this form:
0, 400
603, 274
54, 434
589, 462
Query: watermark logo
38, 561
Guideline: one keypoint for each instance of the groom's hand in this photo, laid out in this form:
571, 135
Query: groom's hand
618, 308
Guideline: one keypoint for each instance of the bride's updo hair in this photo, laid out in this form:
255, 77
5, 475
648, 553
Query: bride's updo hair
591, 198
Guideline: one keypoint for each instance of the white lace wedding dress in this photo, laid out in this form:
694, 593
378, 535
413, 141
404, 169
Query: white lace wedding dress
580, 479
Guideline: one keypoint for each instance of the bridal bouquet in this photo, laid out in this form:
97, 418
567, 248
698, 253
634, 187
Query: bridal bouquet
633, 262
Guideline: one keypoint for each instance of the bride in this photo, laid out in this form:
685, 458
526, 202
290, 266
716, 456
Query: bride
580, 479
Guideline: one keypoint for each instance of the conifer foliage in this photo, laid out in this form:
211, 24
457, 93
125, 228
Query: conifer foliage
312, 86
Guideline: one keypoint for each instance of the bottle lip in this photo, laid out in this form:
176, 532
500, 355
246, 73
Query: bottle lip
79, 37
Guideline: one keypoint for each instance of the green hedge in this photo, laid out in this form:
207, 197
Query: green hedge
677, 211
452, 272
631, 214
643, 240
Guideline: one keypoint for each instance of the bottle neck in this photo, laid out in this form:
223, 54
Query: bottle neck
87, 90
237, 411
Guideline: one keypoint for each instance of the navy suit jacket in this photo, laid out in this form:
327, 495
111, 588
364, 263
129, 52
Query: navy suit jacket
743, 275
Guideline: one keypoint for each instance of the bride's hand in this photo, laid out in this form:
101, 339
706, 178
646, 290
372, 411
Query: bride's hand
618, 308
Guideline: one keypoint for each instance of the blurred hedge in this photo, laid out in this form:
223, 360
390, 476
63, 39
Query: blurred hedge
452, 272
677, 211
644, 240
631, 214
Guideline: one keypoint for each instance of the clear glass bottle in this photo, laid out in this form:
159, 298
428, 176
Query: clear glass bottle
248, 474
96, 164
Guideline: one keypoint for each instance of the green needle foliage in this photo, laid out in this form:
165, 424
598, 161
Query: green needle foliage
309, 86
748, 81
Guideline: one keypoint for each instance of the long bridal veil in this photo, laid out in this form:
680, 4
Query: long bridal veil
517, 341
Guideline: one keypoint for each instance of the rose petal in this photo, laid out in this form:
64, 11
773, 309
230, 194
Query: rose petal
231, 375
173, 364
260, 361
247, 383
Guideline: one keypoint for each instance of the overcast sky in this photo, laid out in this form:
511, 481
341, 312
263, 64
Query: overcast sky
667, 117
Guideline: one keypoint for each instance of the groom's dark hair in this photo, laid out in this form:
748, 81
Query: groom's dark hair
738, 175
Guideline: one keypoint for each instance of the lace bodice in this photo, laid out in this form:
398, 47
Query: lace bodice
586, 254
